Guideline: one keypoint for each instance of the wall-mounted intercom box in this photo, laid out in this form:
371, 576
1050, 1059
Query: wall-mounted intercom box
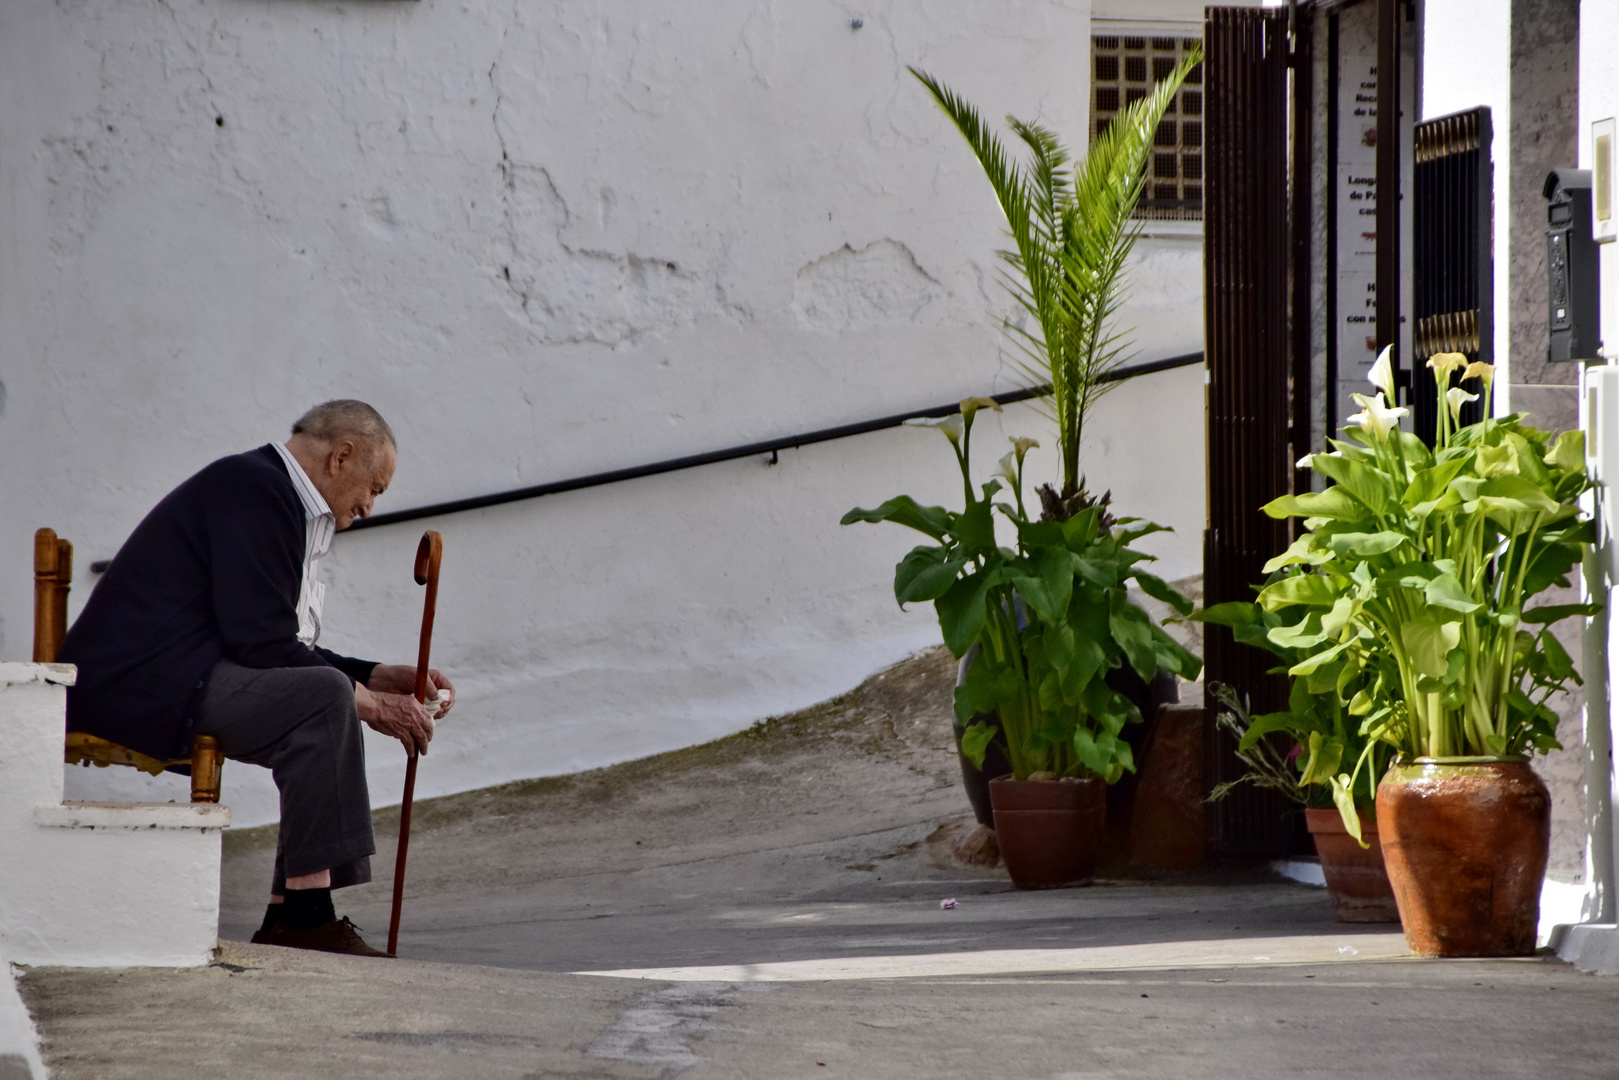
1571, 267
1604, 226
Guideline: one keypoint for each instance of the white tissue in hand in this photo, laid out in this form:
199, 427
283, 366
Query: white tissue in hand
436, 704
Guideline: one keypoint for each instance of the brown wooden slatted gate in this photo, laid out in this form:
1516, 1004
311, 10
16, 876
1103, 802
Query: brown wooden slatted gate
1248, 289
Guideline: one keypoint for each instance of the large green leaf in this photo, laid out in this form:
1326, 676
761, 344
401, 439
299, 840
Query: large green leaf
1325, 753
975, 741
904, 510
1090, 755
1313, 590
1550, 613
1302, 635
1345, 801
1567, 454
1496, 461
1132, 629
1365, 545
1428, 642
1550, 566
1161, 590
1269, 723
1233, 613
1331, 503
1518, 489
961, 609
1447, 592
925, 574
974, 527
1051, 586
1431, 486
1173, 656
1089, 659
1310, 663
1303, 550
1367, 484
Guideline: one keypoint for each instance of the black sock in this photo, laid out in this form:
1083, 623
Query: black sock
305, 909
272, 916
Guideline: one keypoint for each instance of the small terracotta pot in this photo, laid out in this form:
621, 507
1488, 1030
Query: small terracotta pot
1357, 883
1049, 830
1465, 841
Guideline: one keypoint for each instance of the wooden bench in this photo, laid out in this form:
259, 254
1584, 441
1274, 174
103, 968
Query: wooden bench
53, 577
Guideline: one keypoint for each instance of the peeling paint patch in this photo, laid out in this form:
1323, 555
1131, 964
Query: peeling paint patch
573, 295
878, 285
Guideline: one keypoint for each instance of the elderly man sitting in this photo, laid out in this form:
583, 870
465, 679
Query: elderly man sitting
205, 624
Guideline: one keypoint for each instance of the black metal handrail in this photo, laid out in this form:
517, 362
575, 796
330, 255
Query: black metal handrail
768, 446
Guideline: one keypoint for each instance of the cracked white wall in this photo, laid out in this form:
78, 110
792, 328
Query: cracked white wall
544, 240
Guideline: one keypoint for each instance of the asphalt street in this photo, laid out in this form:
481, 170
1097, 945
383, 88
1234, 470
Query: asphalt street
770, 906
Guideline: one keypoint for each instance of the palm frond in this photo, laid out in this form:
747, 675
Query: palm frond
1072, 230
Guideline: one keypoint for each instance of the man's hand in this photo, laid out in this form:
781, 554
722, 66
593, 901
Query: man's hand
399, 716
401, 679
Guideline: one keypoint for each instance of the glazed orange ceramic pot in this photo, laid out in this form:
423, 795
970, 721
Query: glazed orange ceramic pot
1049, 830
1357, 882
1465, 841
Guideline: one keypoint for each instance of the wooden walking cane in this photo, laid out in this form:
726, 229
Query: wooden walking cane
428, 554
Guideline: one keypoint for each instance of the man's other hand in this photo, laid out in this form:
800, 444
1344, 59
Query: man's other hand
401, 679
399, 716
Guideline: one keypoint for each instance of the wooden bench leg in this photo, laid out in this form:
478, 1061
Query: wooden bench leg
206, 765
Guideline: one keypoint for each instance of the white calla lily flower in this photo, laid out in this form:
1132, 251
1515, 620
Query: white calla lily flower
1007, 468
1456, 397
1446, 362
1308, 460
1382, 375
1376, 417
953, 425
971, 405
1478, 369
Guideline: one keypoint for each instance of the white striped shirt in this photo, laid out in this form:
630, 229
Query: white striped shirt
320, 525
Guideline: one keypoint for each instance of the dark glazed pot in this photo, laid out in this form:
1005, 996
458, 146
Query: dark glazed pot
1357, 883
1164, 689
1049, 830
1465, 841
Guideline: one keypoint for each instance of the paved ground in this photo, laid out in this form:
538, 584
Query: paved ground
729, 869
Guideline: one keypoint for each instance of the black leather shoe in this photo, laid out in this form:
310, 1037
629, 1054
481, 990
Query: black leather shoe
337, 936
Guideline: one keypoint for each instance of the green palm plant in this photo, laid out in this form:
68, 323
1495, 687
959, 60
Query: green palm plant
1072, 227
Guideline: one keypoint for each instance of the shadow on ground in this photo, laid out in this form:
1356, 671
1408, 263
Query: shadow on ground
823, 833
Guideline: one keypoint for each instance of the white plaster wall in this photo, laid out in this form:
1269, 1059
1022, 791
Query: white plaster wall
544, 241
1467, 62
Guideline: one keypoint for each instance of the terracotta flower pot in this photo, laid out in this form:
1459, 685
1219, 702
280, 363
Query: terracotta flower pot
1466, 841
1049, 830
1357, 883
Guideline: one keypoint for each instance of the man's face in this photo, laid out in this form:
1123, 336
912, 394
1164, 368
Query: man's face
351, 478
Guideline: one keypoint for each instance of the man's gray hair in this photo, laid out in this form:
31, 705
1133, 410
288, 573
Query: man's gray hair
332, 420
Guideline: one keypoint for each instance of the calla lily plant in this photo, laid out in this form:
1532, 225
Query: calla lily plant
1405, 608
1051, 616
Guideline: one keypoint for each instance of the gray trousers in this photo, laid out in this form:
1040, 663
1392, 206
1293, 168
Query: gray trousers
300, 723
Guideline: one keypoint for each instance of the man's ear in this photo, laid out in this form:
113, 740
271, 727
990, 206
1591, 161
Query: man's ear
343, 451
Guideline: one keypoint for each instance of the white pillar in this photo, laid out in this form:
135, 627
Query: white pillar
1467, 62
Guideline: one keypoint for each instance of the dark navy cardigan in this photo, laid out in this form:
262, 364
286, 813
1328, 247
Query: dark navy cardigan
213, 572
